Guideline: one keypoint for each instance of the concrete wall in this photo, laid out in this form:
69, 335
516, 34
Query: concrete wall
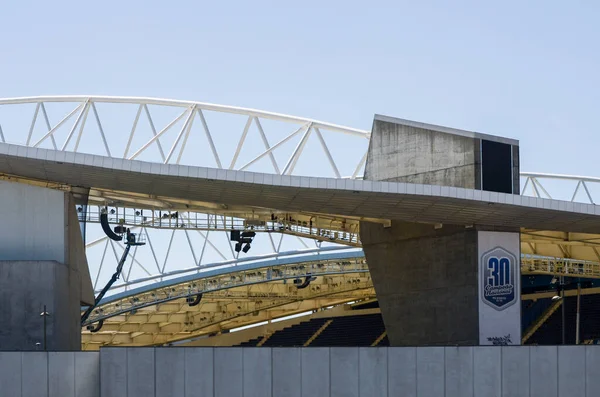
49, 374
426, 279
42, 262
76, 257
25, 287
570, 371
33, 223
426, 286
528, 371
402, 153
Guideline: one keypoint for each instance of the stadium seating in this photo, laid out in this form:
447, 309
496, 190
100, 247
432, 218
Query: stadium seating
296, 335
366, 329
360, 330
251, 342
532, 310
550, 333
357, 330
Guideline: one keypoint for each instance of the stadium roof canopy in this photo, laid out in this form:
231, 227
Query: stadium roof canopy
341, 197
320, 208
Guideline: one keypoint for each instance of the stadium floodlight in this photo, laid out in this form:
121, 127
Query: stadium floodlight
303, 284
242, 238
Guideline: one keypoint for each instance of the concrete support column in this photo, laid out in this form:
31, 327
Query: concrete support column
426, 282
433, 283
42, 262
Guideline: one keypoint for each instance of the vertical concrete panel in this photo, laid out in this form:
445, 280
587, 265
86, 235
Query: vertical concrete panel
25, 287
402, 372
571, 371
170, 372
592, 372
315, 372
228, 372
113, 372
36, 216
459, 371
373, 371
199, 372
140, 372
344, 371
257, 372
61, 374
515, 371
10, 373
430, 371
544, 371
487, 371
287, 372
35, 367
87, 374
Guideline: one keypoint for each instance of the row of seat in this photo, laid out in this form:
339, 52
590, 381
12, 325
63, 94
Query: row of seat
358, 330
550, 333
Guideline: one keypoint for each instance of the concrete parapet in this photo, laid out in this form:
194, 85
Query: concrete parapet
536, 371
568, 371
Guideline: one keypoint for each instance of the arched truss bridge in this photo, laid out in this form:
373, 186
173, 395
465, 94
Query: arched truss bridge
190, 240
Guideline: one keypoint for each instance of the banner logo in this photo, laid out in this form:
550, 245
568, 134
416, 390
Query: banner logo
498, 269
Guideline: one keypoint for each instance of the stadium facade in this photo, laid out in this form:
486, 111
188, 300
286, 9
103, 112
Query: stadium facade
445, 231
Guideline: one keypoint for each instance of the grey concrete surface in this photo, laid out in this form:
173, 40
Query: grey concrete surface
459, 371
430, 371
343, 372
402, 372
487, 371
25, 287
141, 372
426, 279
229, 372
373, 371
50, 374
287, 372
42, 262
450, 371
402, 153
34, 223
76, 257
426, 282
515, 371
199, 372
170, 372
113, 372
258, 372
316, 362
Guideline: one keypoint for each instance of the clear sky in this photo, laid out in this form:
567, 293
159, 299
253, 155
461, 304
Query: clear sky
527, 71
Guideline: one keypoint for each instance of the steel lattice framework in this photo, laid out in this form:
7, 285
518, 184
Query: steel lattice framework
194, 236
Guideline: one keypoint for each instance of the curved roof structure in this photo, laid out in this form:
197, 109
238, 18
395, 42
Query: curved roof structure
181, 168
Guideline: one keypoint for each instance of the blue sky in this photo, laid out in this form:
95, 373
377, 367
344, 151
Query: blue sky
528, 71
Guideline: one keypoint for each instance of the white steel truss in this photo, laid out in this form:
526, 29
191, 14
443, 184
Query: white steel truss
166, 292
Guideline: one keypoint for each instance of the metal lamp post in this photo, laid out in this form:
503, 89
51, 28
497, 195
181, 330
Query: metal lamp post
45, 314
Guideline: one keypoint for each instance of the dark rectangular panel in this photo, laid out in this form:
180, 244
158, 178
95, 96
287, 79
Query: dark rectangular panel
496, 166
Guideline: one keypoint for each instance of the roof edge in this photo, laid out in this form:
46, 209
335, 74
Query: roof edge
446, 130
